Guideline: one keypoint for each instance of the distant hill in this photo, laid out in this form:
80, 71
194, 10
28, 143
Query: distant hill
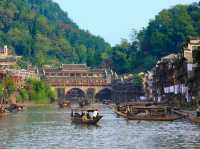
42, 33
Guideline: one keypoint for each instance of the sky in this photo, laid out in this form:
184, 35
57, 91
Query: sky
114, 19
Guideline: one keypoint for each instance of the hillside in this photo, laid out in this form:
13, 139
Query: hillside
42, 33
165, 34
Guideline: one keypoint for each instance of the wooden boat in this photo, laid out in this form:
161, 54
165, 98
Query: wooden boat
152, 113
77, 118
64, 104
155, 118
147, 113
15, 108
107, 102
89, 121
195, 120
83, 103
139, 103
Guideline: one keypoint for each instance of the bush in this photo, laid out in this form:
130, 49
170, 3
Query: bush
37, 91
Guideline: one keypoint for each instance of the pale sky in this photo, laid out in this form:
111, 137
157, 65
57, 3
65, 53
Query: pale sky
114, 19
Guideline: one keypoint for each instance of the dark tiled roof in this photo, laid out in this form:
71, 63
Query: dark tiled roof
52, 70
8, 59
70, 68
74, 67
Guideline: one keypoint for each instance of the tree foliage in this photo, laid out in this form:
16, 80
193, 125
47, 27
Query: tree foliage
137, 79
164, 35
7, 89
36, 91
41, 32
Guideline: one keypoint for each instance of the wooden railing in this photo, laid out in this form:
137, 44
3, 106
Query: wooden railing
77, 82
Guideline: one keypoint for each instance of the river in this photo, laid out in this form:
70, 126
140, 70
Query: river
50, 128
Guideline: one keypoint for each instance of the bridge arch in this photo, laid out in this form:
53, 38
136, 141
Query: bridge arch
104, 94
74, 94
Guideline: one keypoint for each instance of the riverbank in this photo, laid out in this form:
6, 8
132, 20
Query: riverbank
6, 109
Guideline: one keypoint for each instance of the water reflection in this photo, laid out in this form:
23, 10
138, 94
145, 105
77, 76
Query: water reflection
50, 127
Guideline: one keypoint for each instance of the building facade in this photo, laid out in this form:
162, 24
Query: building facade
7, 59
79, 76
175, 78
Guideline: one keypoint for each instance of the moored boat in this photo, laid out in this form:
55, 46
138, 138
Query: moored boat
2, 111
64, 104
15, 108
152, 113
146, 113
195, 120
155, 118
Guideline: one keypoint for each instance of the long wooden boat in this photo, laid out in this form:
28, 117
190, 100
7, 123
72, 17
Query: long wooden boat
196, 120
148, 113
79, 120
155, 118
145, 103
149, 118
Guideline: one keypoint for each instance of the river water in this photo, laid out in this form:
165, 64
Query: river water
51, 128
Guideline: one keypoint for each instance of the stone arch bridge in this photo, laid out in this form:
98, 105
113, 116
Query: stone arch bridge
77, 76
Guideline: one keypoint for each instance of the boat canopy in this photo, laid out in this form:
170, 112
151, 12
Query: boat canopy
84, 110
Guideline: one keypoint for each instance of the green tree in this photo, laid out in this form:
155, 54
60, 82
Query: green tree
9, 87
37, 91
137, 79
1, 93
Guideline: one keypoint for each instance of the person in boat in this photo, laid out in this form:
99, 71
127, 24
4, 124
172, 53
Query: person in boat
95, 113
88, 115
84, 117
82, 114
77, 114
118, 106
127, 110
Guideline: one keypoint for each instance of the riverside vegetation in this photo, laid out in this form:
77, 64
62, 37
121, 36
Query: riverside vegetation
34, 91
